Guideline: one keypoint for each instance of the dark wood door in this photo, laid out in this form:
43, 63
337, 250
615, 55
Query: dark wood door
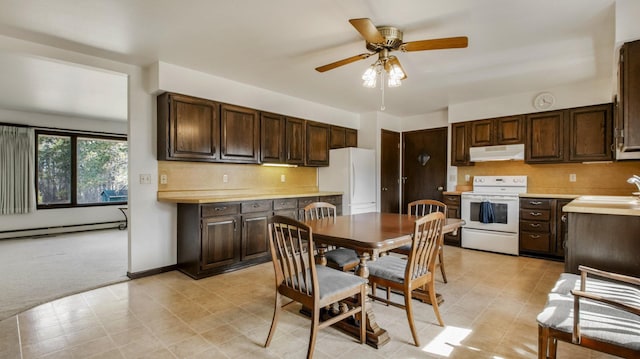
337, 137
629, 96
240, 127
482, 133
590, 133
509, 130
317, 144
545, 137
219, 242
272, 138
255, 235
295, 141
425, 165
390, 172
351, 137
460, 139
188, 128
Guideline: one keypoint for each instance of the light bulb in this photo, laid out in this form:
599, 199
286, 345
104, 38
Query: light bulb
369, 83
395, 72
370, 73
394, 82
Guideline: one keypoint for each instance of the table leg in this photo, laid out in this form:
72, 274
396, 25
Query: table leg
321, 258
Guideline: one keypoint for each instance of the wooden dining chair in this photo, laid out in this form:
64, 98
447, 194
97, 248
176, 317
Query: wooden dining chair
314, 286
423, 207
416, 272
339, 258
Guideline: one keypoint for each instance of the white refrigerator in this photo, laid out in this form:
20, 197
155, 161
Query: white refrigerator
351, 171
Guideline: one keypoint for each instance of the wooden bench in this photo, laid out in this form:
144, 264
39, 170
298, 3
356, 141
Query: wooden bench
600, 314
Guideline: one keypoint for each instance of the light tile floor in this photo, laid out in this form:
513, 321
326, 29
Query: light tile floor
491, 302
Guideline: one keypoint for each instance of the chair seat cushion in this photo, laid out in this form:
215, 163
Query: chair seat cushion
342, 256
597, 320
388, 267
332, 281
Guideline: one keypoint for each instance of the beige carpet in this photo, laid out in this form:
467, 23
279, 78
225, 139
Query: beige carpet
36, 270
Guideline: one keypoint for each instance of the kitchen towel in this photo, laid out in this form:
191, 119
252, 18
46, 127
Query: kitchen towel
486, 212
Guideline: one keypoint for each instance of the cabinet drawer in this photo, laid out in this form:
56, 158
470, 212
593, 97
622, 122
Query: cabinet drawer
285, 203
335, 200
257, 206
220, 209
535, 214
451, 200
531, 241
535, 203
302, 202
534, 226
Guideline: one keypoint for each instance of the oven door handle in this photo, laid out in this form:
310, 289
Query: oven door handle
490, 198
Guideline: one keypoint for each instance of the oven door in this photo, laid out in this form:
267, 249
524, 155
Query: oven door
505, 210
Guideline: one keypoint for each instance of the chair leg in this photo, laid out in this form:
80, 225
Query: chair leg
274, 321
409, 310
543, 342
441, 260
363, 315
315, 322
553, 348
434, 301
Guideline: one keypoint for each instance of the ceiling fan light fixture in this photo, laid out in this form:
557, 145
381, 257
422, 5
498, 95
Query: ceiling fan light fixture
396, 73
394, 82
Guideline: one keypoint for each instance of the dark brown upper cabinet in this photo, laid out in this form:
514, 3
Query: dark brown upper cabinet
628, 114
240, 128
545, 137
590, 133
295, 141
317, 153
272, 138
351, 137
188, 128
338, 137
497, 131
460, 139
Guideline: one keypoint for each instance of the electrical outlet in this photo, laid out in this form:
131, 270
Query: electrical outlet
225, 178
163, 179
145, 179
572, 177
283, 178
467, 178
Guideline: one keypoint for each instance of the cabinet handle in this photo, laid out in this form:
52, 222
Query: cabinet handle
451, 198
534, 225
220, 208
534, 236
564, 218
255, 205
535, 203
535, 214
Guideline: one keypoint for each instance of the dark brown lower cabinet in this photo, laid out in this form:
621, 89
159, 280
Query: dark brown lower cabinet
541, 229
221, 237
453, 211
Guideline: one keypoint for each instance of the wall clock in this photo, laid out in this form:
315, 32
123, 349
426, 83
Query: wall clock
544, 100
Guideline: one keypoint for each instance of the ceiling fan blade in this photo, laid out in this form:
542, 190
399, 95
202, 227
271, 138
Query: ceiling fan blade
436, 44
342, 62
368, 30
394, 61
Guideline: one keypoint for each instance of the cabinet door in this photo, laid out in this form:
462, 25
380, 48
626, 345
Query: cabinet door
338, 137
562, 227
188, 128
482, 133
545, 137
219, 242
351, 137
240, 128
629, 96
272, 138
460, 144
317, 144
509, 130
295, 141
255, 235
590, 133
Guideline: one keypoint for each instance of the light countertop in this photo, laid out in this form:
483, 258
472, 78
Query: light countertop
199, 197
615, 205
550, 195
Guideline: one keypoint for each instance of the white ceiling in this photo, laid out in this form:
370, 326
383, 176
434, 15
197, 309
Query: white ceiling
514, 46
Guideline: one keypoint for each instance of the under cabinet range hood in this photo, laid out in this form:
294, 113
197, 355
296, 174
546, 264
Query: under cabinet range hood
497, 153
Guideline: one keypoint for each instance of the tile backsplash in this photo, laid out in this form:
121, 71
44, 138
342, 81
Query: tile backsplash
593, 178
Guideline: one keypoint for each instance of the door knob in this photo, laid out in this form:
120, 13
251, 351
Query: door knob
440, 188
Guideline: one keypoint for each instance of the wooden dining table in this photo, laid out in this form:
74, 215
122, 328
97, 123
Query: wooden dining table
370, 235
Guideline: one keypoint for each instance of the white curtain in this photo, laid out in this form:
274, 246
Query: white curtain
17, 170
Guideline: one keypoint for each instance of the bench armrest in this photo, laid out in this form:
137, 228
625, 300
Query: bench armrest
615, 276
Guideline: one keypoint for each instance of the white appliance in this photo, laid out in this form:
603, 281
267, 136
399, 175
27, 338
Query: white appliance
499, 232
496, 153
351, 171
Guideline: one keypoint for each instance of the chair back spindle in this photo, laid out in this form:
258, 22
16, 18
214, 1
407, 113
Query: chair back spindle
320, 210
423, 207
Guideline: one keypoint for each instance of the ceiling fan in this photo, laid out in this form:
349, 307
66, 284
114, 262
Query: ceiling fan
382, 40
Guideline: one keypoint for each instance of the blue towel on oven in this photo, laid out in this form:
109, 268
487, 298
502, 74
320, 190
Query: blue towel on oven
486, 212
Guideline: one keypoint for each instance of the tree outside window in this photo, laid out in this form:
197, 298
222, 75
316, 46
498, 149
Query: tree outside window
80, 170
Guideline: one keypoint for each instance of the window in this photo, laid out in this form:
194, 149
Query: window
80, 169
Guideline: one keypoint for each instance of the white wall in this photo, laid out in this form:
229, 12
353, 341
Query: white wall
62, 216
627, 24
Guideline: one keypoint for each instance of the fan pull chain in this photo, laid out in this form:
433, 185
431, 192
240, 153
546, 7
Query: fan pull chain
382, 73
